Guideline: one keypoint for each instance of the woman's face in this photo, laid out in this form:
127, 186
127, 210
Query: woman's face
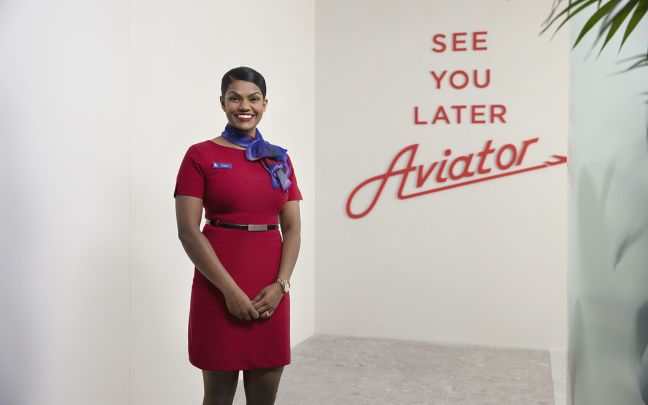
244, 106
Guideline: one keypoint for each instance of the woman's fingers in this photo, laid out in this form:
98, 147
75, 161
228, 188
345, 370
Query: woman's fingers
260, 309
261, 306
265, 310
248, 313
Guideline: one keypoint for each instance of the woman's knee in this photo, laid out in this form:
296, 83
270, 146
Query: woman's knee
261, 385
220, 387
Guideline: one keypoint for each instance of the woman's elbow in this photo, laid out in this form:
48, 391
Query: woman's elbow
293, 231
186, 233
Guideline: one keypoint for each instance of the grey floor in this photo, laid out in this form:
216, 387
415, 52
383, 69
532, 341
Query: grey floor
340, 370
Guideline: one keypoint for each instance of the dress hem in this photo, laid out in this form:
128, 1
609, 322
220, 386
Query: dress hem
204, 367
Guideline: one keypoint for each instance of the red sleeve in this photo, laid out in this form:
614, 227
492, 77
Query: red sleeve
293, 191
191, 179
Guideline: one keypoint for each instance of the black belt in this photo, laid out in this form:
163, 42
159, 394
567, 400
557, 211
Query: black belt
244, 227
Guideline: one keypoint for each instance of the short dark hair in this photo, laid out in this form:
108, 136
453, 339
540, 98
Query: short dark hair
243, 73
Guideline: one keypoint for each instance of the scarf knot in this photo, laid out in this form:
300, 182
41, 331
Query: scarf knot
272, 157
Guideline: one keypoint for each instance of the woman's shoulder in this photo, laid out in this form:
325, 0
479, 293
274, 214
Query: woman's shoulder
205, 152
203, 148
199, 146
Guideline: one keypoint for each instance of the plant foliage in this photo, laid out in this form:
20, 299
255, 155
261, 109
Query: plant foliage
610, 14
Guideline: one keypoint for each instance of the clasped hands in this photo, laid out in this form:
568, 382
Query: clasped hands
239, 304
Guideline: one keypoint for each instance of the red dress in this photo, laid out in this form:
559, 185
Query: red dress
238, 191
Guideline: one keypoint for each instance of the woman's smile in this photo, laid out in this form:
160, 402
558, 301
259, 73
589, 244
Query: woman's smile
244, 117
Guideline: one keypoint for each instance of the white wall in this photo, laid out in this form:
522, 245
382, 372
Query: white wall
99, 102
64, 142
179, 53
608, 227
481, 264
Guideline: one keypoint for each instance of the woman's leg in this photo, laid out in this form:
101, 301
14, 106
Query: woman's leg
261, 385
220, 387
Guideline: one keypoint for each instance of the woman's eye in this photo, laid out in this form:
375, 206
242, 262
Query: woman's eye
233, 98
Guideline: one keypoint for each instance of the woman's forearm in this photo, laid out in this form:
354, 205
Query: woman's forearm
289, 253
202, 255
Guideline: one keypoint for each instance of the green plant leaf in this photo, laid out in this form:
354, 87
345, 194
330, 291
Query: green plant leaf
640, 56
617, 20
639, 13
600, 13
639, 63
640, 60
571, 13
569, 10
555, 7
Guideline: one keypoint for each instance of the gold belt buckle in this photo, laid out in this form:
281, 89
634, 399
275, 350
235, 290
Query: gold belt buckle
262, 227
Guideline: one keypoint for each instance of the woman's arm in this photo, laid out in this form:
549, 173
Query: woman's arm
290, 221
268, 299
201, 253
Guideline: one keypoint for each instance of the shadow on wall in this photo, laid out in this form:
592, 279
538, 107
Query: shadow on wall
17, 321
19, 368
634, 238
608, 363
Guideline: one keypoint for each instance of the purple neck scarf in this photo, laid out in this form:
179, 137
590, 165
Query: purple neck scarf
273, 158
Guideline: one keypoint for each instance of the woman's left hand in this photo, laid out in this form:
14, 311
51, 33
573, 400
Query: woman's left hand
267, 300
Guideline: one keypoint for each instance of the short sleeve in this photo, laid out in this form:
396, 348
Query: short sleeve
191, 179
293, 191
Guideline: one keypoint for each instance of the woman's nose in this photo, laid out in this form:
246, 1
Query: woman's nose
244, 106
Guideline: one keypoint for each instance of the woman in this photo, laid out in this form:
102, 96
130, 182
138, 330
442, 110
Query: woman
239, 316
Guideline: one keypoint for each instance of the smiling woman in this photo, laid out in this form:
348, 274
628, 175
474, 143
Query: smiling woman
240, 307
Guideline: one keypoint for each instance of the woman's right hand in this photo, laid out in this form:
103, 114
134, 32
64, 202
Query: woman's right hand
239, 305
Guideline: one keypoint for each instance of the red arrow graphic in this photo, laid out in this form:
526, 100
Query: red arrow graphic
559, 160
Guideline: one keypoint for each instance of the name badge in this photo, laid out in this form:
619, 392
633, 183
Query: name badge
222, 165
